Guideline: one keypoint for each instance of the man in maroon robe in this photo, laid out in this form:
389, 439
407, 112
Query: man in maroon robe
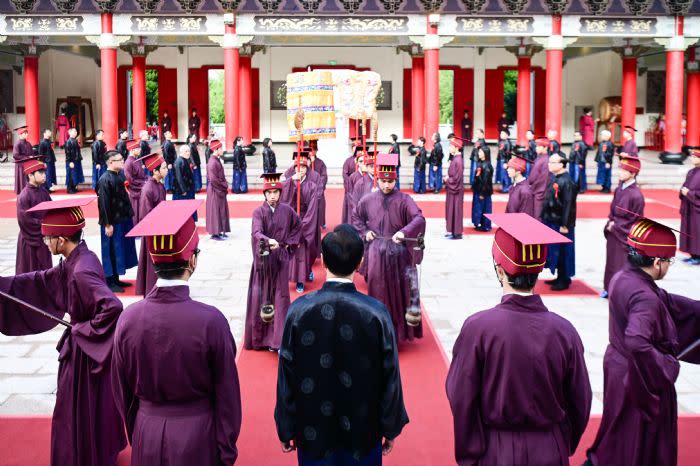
518, 385
649, 330
304, 256
21, 152
319, 166
174, 368
349, 167
135, 176
315, 178
152, 194
520, 197
629, 147
362, 184
539, 175
218, 222
454, 188
275, 235
31, 253
626, 207
390, 221
690, 211
86, 429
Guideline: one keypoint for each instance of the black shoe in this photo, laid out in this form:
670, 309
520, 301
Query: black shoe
116, 288
561, 286
456, 237
123, 284
551, 282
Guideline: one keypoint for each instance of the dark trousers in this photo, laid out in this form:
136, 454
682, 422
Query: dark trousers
418, 181
113, 260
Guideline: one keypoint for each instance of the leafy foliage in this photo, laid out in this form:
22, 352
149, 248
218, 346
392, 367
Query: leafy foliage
216, 96
447, 78
510, 94
151, 96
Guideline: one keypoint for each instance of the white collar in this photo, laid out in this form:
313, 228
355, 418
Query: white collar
629, 183
519, 293
163, 283
339, 280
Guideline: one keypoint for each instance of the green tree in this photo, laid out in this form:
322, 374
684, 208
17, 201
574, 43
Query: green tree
510, 94
216, 96
446, 96
152, 95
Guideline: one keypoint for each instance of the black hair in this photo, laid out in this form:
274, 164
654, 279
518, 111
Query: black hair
487, 154
122, 131
577, 132
564, 159
422, 139
394, 137
98, 131
238, 138
112, 153
637, 259
266, 141
171, 270
194, 109
437, 137
530, 131
522, 282
190, 136
342, 250
45, 130
451, 135
481, 130
586, 109
76, 237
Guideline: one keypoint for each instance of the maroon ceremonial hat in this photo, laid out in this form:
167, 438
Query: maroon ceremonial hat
520, 243
34, 164
370, 157
22, 130
271, 181
214, 144
359, 150
152, 161
132, 144
695, 152
169, 231
62, 218
630, 128
652, 239
457, 142
386, 166
542, 142
630, 163
304, 156
518, 163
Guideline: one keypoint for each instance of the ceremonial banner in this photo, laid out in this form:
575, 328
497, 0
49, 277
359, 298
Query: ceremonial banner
313, 91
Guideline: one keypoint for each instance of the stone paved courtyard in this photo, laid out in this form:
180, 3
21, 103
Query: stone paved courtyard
457, 280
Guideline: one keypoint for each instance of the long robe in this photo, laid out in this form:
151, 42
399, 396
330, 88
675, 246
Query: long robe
217, 208
49, 157
175, 381
86, 429
349, 168
560, 211
305, 255
133, 170
521, 199
319, 166
75, 175
629, 198
98, 151
115, 209
269, 275
152, 194
538, 179
630, 148
454, 200
392, 276
21, 151
648, 327
338, 381
356, 177
315, 178
32, 253
62, 129
518, 386
690, 214
586, 126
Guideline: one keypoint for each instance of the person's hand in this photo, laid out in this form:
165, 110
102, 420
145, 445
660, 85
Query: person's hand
387, 446
97, 166
610, 225
580, 165
170, 166
109, 230
398, 237
370, 236
607, 165
72, 165
289, 446
435, 168
273, 244
685, 191
624, 154
481, 197
563, 230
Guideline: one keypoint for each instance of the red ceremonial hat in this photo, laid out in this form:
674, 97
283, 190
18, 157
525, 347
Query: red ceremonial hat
456, 142
359, 150
518, 163
695, 152
542, 142
630, 163
631, 128
271, 181
520, 243
169, 231
214, 144
386, 166
152, 161
62, 218
132, 144
22, 129
370, 157
33, 164
304, 157
652, 239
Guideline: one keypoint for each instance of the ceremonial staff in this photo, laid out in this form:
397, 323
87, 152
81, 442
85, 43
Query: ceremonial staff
690, 348
36, 309
375, 130
299, 125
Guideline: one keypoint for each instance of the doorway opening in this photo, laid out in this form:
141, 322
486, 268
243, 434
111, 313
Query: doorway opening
216, 103
447, 87
510, 95
152, 103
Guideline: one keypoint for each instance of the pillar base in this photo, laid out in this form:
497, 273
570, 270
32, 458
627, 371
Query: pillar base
249, 149
520, 150
675, 158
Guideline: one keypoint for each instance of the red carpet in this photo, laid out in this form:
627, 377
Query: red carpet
129, 290
577, 288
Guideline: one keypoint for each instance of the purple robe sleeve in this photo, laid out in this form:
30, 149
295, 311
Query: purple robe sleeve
32, 287
416, 225
693, 185
359, 219
685, 313
455, 175
126, 401
309, 221
577, 393
30, 222
624, 220
323, 172
217, 177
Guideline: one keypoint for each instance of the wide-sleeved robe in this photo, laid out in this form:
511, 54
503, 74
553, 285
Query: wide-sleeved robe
305, 255
392, 277
518, 386
21, 151
521, 199
349, 168
118, 251
338, 381
648, 328
32, 253
152, 194
62, 125
74, 176
690, 214
538, 179
319, 166
560, 211
269, 275
631, 199
133, 170
217, 208
454, 200
86, 429
315, 178
175, 381
630, 148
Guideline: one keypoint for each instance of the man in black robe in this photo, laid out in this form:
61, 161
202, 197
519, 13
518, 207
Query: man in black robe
339, 395
170, 155
118, 251
49, 158
466, 127
121, 143
166, 124
74, 169
503, 123
99, 149
554, 146
145, 146
194, 123
183, 181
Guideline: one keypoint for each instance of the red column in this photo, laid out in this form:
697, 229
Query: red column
31, 97
231, 65
418, 98
108, 74
523, 103
246, 101
675, 56
554, 78
432, 83
692, 137
629, 91
138, 93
